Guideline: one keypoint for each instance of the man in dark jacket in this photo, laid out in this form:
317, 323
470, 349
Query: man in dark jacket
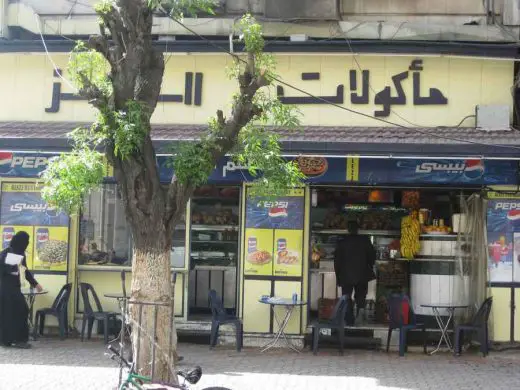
354, 261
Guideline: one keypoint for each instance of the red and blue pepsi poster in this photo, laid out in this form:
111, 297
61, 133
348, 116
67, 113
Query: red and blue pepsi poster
503, 224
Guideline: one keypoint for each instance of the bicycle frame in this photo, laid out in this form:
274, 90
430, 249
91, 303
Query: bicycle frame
131, 380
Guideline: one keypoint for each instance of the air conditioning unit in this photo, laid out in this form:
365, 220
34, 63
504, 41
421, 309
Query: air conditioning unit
492, 117
302, 9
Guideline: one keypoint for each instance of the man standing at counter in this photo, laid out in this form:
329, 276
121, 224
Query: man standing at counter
354, 261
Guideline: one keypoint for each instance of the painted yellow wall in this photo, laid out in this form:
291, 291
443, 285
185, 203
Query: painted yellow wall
500, 326
106, 282
27, 81
256, 315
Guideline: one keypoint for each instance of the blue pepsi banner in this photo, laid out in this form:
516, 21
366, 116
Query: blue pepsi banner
431, 171
22, 205
323, 170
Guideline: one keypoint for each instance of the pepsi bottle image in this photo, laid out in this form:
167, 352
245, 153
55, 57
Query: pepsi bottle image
7, 235
42, 236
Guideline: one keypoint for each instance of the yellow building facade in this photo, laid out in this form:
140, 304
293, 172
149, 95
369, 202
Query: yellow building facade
415, 92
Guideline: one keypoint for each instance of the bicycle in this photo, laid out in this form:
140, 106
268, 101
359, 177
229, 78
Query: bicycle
141, 382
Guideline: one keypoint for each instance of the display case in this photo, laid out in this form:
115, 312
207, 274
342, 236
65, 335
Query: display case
377, 217
214, 246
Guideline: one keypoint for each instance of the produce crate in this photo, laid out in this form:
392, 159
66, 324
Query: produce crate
326, 308
392, 277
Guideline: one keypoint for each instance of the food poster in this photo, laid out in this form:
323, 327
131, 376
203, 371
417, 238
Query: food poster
286, 212
503, 221
51, 248
288, 253
22, 208
259, 252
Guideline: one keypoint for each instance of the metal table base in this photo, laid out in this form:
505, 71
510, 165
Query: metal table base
281, 330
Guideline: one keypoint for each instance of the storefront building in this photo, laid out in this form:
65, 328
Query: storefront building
357, 167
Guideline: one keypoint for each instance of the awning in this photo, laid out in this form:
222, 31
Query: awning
385, 142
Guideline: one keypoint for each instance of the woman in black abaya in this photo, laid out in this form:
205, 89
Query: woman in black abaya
14, 328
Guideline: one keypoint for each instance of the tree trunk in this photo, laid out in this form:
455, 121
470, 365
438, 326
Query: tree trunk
151, 283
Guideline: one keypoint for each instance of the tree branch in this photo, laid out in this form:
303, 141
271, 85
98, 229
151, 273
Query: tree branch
92, 93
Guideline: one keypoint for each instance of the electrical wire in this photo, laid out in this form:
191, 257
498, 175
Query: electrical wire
56, 69
349, 109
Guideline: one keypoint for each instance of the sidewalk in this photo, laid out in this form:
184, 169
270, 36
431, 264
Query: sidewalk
70, 364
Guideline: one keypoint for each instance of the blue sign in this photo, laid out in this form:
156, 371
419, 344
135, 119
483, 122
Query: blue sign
283, 213
419, 171
27, 208
323, 170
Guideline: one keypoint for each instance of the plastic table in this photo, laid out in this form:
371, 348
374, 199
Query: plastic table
289, 305
443, 326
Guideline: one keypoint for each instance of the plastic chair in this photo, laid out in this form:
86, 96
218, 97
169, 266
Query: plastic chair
402, 317
478, 324
89, 315
220, 317
337, 321
58, 310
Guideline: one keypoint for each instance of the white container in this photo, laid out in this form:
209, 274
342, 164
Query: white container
459, 223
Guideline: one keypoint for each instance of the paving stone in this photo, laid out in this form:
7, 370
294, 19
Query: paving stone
71, 364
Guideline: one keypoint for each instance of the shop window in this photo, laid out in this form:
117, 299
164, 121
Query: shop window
105, 237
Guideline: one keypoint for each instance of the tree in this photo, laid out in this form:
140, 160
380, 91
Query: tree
120, 72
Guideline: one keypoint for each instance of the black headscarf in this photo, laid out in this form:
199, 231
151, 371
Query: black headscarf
19, 243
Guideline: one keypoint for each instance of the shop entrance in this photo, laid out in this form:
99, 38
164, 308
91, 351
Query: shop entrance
213, 242
428, 277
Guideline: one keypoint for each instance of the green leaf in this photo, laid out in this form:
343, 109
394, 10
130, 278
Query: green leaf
85, 63
69, 177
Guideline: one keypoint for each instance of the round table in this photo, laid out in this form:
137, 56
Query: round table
443, 326
289, 305
30, 297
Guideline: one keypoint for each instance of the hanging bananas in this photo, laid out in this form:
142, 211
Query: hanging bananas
410, 234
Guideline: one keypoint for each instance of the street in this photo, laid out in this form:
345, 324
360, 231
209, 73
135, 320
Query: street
70, 364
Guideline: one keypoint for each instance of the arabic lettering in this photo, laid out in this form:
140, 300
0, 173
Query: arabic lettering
386, 99
435, 98
192, 95
429, 167
232, 167
360, 94
355, 98
337, 99
39, 208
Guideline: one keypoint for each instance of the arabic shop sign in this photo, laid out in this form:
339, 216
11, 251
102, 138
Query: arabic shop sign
388, 97
192, 93
324, 170
360, 88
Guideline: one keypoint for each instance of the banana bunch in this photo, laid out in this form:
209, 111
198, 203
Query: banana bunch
410, 233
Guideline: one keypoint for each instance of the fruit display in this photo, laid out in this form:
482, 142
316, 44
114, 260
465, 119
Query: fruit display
410, 234
317, 254
410, 199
